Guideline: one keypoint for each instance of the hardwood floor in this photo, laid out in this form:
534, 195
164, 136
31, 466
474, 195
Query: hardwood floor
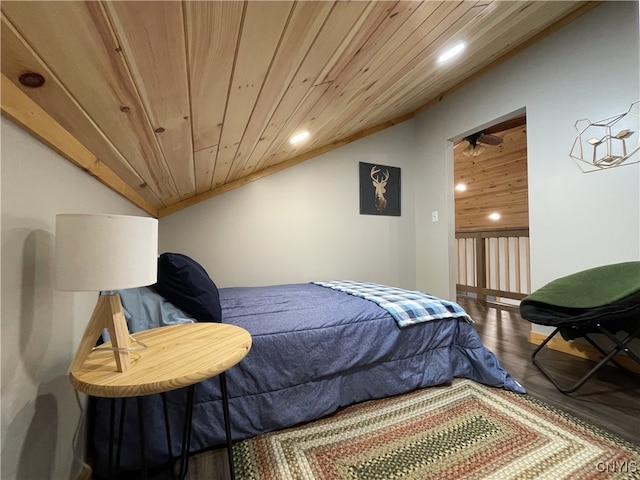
609, 400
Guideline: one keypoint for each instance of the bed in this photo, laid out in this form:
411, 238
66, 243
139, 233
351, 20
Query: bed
315, 349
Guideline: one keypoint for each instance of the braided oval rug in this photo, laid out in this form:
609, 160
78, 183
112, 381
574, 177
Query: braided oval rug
465, 430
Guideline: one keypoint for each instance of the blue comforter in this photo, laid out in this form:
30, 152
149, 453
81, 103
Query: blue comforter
314, 350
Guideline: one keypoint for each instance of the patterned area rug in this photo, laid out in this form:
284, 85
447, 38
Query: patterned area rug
466, 430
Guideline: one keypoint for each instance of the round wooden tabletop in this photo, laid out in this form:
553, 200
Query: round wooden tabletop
175, 356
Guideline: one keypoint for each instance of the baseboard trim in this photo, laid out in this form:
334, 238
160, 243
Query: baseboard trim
582, 350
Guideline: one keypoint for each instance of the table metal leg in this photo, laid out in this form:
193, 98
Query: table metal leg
167, 429
141, 432
112, 426
123, 412
186, 434
113, 465
227, 422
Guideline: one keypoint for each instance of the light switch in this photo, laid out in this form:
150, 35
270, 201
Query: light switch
434, 216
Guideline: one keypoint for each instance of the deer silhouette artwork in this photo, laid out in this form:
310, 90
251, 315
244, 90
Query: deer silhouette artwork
380, 184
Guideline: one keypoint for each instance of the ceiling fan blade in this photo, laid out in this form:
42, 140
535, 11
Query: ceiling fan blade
489, 139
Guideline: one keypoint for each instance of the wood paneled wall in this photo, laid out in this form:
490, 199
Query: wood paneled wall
496, 181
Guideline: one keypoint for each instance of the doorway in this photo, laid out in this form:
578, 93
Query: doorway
492, 212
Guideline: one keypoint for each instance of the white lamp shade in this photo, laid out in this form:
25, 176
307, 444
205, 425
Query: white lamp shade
105, 252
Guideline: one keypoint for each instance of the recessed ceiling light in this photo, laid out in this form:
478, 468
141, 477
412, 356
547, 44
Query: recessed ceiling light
452, 52
299, 137
461, 187
494, 216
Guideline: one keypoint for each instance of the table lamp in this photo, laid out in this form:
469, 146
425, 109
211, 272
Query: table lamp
97, 252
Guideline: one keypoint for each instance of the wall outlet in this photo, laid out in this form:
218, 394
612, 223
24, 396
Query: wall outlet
434, 216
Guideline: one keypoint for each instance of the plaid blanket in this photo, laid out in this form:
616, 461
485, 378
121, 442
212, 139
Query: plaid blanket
405, 306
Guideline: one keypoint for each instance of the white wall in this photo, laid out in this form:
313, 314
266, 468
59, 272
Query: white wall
303, 223
40, 327
577, 220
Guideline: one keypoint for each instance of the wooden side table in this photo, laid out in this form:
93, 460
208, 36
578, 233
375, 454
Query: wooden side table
175, 356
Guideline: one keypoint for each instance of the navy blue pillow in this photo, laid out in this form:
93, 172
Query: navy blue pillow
186, 284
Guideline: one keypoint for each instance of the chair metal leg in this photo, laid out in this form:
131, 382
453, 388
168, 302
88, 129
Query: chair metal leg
621, 345
601, 350
543, 370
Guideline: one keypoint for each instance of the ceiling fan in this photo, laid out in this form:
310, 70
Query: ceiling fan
478, 141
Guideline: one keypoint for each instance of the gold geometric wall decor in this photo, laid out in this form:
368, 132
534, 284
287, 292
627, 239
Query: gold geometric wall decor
608, 143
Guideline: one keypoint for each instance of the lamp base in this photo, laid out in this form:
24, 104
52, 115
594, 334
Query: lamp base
107, 314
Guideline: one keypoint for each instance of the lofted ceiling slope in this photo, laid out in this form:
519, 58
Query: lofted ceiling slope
170, 103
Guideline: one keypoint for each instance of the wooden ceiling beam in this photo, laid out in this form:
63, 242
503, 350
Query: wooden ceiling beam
53, 97
99, 79
25, 112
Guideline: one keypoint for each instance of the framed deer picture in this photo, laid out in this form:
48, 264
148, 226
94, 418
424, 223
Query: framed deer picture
379, 189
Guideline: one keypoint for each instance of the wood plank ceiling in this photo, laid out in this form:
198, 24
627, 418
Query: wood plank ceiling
495, 181
173, 102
